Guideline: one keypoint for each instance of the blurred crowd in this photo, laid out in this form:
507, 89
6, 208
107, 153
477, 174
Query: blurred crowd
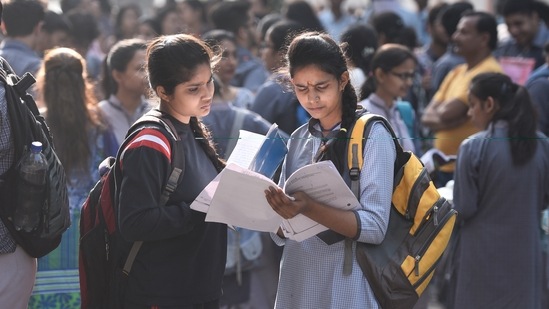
413, 66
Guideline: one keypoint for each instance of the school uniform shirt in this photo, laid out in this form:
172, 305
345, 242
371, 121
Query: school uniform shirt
498, 258
118, 118
182, 259
311, 273
374, 104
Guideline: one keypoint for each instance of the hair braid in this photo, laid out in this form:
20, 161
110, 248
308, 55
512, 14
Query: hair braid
336, 153
202, 133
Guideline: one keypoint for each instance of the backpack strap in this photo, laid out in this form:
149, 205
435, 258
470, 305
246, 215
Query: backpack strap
19, 84
156, 117
237, 124
355, 147
355, 160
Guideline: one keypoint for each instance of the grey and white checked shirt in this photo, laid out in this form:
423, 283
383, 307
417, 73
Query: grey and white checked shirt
311, 274
7, 245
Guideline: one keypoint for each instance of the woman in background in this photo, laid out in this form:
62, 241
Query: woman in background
125, 86
501, 186
393, 70
82, 139
361, 44
226, 42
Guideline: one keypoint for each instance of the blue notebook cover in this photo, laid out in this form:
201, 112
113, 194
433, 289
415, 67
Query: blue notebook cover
271, 153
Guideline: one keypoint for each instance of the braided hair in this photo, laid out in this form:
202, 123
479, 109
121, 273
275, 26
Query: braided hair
319, 49
172, 60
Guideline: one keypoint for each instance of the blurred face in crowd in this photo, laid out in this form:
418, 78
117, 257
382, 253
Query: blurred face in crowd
49, 40
396, 82
188, 15
467, 39
269, 55
146, 32
133, 79
523, 27
171, 24
129, 23
481, 112
228, 63
438, 33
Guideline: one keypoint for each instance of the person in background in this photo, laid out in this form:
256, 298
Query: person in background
125, 86
193, 15
449, 18
264, 24
82, 140
446, 115
169, 20
422, 14
393, 68
273, 102
335, 19
537, 88
84, 31
148, 29
302, 12
526, 22
242, 285
126, 21
182, 259
22, 22
55, 32
497, 212
409, 19
429, 53
312, 273
237, 17
361, 44
225, 40
18, 268
388, 26
261, 8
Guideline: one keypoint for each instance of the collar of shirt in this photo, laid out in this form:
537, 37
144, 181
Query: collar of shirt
17, 45
377, 101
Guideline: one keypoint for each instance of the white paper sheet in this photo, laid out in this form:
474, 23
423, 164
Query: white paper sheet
240, 199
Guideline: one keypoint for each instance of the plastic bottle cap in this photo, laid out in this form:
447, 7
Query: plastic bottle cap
36, 147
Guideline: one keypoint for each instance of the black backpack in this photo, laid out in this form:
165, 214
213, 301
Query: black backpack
105, 258
27, 125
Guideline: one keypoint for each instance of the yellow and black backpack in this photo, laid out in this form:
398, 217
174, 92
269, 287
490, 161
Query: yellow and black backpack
420, 225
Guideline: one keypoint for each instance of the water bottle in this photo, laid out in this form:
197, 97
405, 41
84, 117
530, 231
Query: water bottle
31, 189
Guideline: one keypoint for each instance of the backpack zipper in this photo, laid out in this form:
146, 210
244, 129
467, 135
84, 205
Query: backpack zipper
413, 189
423, 249
107, 251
